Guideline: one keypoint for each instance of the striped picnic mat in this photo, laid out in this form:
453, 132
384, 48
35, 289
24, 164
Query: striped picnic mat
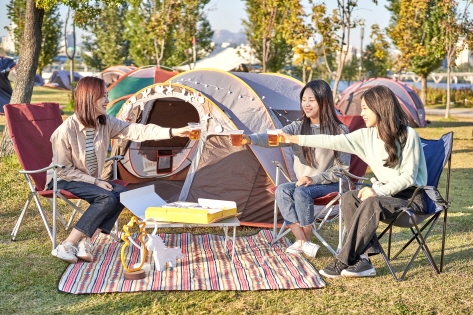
206, 265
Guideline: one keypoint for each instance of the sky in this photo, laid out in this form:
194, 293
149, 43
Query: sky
227, 15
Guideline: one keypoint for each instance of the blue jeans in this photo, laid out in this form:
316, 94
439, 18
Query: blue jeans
296, 204
104, 206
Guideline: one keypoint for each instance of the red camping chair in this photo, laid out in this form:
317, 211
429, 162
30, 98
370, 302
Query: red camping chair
327, 207
30, 127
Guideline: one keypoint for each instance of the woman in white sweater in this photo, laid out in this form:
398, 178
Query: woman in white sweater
394, 153
313, 167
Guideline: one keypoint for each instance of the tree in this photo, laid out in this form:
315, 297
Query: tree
185, 28
51, 30
108, 46
273, 28
415, 30
335, 31
376, 59
456, 29
30, 48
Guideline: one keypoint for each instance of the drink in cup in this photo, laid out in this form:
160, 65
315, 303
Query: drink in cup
273, 136
194, 133
237, 137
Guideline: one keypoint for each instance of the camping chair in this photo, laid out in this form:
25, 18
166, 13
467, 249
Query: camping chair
30, 127
327, 208
437, 155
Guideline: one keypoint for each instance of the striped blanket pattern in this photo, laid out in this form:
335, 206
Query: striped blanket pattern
206, 265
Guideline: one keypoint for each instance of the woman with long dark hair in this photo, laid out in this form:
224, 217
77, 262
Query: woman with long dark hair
394, 153
80, 143
313, 167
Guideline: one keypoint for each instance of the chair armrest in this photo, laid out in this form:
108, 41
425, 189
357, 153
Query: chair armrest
42, 169
431, 192
342, 172
279, 166
115, 160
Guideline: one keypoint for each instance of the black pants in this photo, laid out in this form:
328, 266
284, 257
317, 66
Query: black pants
362, 218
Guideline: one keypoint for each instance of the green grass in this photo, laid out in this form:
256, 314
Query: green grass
29, 274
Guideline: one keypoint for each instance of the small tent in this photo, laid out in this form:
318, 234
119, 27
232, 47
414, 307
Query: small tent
349, 101
6, 91
183, 169
130, 83
61, 79
113, 73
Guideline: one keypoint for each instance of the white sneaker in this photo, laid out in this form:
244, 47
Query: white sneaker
84, 251
66, 251
295, 249
310, 249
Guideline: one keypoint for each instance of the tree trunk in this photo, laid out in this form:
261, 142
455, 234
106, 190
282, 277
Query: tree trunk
447, 108
30, 48
423, 90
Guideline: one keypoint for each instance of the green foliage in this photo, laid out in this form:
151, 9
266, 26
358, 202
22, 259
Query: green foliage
415, 30
376, 58
51, 31
162, 31
462, 97
108, 46
350, 71
273, 29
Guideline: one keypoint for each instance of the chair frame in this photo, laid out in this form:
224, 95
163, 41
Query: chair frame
409, 219
34, 194
344, 177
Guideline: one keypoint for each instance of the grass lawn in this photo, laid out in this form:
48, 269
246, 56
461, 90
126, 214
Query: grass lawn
29, 273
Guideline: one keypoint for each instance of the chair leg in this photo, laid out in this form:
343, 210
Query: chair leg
43, 216
282, 232
20, 218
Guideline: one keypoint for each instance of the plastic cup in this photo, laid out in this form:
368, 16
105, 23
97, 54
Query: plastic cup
273, 136
236, 137
194, 133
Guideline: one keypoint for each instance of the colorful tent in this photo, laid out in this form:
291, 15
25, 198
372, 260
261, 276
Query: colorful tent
349, 102
112, 74
130, 83
6, 91
182, 169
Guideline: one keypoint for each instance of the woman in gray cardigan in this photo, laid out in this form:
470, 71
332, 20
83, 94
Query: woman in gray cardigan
313, 167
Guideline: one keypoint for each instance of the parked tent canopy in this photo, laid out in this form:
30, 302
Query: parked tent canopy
349, 103
211, 167
6, 91
132, 82
113, 73
61, 79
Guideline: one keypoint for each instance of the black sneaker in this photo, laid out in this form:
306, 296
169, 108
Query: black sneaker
333, 270
362, 268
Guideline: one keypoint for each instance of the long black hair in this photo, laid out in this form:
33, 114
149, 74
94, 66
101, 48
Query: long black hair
329, 122
391, 123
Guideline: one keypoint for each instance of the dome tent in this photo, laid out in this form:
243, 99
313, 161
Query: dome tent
349, 102
211, 167
114, 73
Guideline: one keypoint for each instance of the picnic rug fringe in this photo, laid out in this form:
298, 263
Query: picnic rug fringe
206, 265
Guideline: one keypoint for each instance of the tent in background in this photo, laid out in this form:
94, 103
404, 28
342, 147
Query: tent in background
132, 82
61, 79
6, 91
226, 59
113, 73
211, 168
349, 102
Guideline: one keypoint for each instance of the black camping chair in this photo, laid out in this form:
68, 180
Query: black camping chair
437, 154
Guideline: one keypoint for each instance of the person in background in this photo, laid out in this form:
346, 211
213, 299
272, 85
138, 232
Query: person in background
314, 168
80, 144
394, 153
7, 66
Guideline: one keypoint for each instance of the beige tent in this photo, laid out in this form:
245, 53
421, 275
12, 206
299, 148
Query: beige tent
211, 167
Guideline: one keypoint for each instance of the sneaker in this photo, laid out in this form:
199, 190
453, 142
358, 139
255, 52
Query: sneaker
84, 251
362, 268
295, 249
310, 249
334, 269
66, 251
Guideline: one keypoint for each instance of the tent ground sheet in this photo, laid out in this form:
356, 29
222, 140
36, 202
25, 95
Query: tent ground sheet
206, 265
